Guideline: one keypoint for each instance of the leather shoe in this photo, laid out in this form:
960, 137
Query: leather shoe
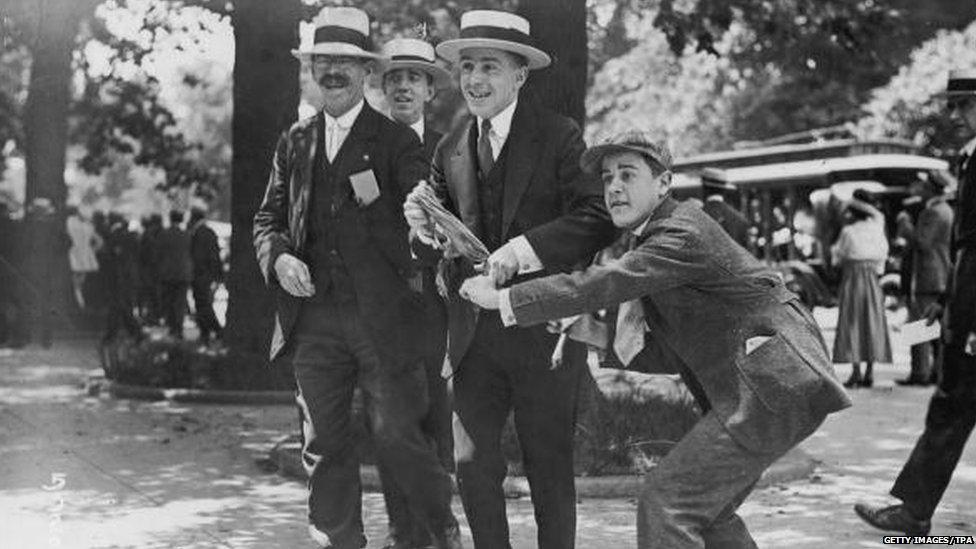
894, 518
909, 381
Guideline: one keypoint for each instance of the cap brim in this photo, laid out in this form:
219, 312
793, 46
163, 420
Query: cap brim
592, 158
334, 48
451, 50
442, 78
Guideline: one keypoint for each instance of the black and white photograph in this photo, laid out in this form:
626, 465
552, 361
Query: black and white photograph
487, 274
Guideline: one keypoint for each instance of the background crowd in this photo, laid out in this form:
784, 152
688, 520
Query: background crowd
125, 276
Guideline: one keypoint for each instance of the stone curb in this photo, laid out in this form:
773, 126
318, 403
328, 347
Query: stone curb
96, 385
795, 465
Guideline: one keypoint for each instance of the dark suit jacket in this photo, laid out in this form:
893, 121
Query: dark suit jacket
546, 198
730, 219
373, 239
930, 241
173, 255
703, 299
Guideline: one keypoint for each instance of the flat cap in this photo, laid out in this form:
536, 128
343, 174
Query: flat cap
630, 141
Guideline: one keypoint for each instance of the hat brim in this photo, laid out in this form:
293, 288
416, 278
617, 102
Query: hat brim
334, 48
442, 78
954, 94
451, 50
592, 158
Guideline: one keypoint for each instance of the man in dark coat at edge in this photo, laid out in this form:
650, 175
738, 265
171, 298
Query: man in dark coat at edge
952, 410
332, 243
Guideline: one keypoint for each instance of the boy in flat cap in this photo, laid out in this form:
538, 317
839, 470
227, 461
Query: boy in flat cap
691, 301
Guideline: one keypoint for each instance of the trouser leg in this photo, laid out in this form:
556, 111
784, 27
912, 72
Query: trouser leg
948, 424
203, 305
689, 500
482, 400
326, 374
545, 403
395, 395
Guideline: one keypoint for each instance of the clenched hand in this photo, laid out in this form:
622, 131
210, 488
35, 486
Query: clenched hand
293, 276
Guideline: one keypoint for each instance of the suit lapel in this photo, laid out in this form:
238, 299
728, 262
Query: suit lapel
463, 180
300, 189
523, 149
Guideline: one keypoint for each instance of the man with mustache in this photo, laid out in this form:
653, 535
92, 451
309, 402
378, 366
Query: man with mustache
510, 172
332, 243
410, 79
691, 301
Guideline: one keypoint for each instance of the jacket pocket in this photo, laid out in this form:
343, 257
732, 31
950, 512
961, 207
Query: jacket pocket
777, 374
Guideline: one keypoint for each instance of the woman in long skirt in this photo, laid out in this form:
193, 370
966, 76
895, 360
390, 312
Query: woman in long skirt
862, 330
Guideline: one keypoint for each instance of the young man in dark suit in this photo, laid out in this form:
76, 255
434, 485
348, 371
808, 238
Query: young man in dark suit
692, 302
952, 410
510, 172
410, 80
331, 240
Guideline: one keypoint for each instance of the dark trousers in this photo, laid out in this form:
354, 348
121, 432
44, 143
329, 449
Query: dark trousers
950, 420
924, 355
330, 354
404, 527
174, 306
508, 369
203, 306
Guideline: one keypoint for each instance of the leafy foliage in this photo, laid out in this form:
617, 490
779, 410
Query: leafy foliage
906, 106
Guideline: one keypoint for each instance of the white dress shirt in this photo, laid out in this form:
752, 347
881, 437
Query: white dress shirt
337, 129
419, 128
501, 124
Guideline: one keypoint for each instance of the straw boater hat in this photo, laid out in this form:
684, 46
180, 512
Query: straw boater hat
494, 29
413, 53
960, 84
340, 31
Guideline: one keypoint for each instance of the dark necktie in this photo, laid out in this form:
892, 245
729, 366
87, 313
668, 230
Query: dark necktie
485, 159
631, 325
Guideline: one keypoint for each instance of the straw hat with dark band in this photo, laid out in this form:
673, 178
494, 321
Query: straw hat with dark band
340, 32
494, 29
961, 84
413, 53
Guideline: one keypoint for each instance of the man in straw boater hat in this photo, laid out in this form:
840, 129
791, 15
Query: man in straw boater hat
510, 172
691, 301
410, 78
952, 410
331, 241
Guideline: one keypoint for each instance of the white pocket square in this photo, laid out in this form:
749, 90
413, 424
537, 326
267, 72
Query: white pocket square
754, 343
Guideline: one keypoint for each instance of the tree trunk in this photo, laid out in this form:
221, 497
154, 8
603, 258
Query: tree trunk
55, 24
559, 28
266, 93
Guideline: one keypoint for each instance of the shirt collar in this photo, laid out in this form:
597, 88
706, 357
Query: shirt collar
346, 120
501, 123
640, 228
418, 127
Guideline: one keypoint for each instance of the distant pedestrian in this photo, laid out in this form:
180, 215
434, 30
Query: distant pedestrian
208, 271
731, 219
121, 273
150, 290
862, 330
175, 272
81, 256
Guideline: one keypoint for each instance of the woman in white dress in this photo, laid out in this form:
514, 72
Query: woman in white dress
81, 256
